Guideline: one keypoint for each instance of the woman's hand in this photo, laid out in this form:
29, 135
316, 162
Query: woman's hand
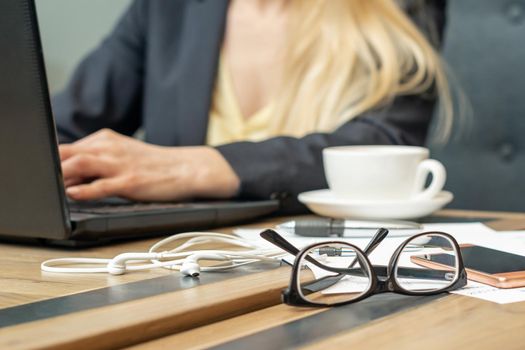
108, 164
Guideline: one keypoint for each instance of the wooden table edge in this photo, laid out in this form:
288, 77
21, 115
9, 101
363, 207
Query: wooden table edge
149, 318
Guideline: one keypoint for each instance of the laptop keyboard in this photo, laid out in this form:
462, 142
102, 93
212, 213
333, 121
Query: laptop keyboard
118, 207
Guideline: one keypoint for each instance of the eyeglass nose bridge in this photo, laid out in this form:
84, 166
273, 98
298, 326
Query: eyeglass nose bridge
384, 285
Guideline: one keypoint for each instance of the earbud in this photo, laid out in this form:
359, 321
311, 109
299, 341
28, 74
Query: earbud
191, 267
116, 269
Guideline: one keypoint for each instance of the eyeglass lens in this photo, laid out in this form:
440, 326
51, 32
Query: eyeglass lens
333, 273
427, 263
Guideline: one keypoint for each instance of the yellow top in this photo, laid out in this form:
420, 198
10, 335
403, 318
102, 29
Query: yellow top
226, 123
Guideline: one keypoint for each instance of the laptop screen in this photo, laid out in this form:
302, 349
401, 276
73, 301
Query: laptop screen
31, 192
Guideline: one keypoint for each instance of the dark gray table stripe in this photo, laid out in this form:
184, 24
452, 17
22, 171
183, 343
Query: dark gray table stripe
117, 294
323, 325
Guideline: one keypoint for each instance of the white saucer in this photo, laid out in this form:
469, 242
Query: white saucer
325, 203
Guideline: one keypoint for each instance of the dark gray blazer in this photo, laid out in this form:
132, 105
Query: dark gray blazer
157, 71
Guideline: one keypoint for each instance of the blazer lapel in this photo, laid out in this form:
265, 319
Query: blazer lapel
204, 26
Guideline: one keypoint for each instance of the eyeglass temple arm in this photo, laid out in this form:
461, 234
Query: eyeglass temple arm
379, 236
278, 240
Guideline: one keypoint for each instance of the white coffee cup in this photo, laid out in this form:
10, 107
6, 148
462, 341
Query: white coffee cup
382, 172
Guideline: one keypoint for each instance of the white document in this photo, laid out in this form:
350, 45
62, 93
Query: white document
489, 293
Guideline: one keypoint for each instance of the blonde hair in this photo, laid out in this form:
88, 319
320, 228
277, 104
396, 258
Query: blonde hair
345, 57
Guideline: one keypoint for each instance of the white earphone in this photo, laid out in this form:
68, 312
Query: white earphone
179, 258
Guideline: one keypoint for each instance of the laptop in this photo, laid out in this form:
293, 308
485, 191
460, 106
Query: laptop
33, 204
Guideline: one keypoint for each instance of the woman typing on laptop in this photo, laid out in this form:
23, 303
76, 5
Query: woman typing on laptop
238, 98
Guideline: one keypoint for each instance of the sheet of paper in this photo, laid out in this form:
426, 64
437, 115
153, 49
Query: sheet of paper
489, 293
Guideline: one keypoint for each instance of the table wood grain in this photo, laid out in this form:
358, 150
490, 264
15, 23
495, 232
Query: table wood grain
454, 322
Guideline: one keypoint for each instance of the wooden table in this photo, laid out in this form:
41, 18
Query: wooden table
219, 312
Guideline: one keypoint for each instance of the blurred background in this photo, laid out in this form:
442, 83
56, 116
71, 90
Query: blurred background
483, 47
70, 29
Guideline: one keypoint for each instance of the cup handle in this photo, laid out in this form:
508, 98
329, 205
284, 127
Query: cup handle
439, 176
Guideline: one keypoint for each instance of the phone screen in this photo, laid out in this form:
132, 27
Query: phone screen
483, 259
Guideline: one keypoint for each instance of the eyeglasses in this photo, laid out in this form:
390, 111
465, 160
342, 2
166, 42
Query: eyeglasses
336, 273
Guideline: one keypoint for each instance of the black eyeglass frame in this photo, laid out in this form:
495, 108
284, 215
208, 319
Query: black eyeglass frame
293, 296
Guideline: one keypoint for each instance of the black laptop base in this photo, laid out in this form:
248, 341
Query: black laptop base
91, 229
166, 218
